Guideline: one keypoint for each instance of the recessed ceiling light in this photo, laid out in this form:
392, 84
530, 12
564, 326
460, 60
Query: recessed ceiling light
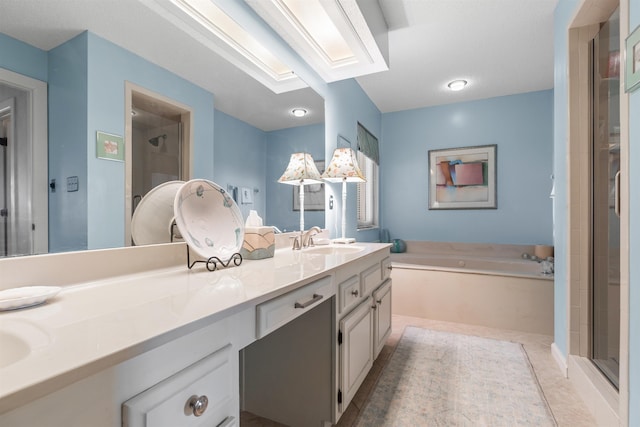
457, 85
299, 112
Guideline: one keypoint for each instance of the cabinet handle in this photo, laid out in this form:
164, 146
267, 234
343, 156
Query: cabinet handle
355, 292
379, 301
389, 267
616, 203
198, 404
316, 298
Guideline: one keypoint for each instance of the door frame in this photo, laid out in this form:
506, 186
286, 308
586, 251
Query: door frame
37, 130
611, 406
187, 143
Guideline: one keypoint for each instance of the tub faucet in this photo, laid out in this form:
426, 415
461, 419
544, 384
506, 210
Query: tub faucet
307, 238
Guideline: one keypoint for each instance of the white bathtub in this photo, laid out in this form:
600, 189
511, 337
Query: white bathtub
506, 293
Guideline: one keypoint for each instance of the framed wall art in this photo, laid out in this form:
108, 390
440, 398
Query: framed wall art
313, 193
463, 178
109, 146
632, 69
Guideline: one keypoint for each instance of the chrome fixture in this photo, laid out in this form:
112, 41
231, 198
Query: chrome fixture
307, 238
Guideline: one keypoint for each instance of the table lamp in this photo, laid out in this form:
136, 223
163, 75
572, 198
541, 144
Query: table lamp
301, 171
343, 168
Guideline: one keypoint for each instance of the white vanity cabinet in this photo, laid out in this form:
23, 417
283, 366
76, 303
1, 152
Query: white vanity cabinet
291, 338
363, 322
153, 389
355, 341
200, 395
381, 316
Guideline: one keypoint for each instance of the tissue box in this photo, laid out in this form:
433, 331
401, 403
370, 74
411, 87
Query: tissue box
259, 243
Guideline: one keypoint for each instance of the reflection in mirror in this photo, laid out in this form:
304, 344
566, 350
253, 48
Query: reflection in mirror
243, 134
158, 141
23, 206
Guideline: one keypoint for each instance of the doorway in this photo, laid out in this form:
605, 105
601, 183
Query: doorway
158, 146
23, 165
605, 200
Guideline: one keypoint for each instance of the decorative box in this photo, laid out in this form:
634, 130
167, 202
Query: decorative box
259, 243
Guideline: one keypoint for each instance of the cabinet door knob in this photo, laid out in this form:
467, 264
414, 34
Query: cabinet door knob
354, 292
198, 404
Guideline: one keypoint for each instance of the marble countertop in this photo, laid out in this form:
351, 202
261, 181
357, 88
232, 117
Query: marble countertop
90, 326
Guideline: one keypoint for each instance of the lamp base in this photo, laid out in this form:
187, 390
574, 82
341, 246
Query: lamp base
344, 240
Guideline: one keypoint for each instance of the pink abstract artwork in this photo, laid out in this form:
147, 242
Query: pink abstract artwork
469, 174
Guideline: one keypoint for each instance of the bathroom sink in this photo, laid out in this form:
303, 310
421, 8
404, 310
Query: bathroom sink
334, 250
13, 348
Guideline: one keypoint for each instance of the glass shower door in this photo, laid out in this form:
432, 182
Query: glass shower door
605, 201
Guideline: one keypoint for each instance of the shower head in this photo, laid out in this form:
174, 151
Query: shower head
155, 141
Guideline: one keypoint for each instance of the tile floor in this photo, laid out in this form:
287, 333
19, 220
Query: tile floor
567, 407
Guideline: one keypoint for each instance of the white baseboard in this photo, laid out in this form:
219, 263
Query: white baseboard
560, 359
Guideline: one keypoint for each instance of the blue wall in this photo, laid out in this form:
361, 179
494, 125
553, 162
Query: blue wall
240, 160
562, 18
346, 105
22, 58
634, 240
108, 68
520, 125
68, 147
280, 145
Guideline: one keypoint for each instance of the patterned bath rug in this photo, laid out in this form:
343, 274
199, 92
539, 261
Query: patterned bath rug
444, 379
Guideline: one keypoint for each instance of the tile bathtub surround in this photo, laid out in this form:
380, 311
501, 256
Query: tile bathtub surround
479, 250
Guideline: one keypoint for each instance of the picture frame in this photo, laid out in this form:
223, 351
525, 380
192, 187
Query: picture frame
109, 146
463, 178
632, 61
246, 196
313, 194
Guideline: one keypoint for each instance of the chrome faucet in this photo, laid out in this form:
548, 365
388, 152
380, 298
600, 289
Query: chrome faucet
307, 238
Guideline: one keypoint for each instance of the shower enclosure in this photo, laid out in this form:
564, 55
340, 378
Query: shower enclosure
157, 149
605, 202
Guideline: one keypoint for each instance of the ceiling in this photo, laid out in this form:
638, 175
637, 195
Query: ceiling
501, 47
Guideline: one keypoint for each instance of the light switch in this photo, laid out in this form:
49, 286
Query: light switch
72, 183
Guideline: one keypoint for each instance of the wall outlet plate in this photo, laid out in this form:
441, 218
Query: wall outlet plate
72, 183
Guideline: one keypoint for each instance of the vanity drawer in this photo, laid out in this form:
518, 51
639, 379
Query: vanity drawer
371, 278
386, 268
168, 402
277, 312
349, 293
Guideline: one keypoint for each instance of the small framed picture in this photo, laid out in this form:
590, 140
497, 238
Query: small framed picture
109, 146
632, 69
246, 196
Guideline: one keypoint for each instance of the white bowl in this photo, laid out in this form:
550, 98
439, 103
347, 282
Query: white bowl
208, 219
151, 222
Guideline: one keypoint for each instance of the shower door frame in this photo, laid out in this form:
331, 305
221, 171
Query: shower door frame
612, 406
186, 150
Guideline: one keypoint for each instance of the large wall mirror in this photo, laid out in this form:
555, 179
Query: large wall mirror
241, 133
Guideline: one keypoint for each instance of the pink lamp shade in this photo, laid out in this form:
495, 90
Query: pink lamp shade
301, 171
343, 167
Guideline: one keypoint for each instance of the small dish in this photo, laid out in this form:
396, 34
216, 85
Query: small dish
151, 221
27, 296
208, 219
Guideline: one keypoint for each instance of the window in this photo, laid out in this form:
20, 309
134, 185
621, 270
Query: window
367, 196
